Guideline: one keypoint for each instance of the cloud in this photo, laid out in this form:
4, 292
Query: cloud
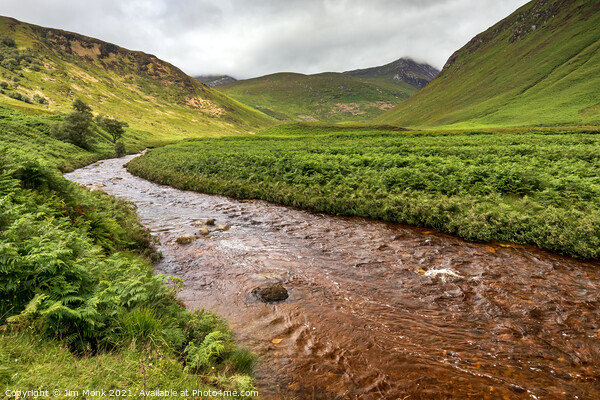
251, 38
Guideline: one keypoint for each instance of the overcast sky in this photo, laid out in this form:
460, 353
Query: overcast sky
248, 38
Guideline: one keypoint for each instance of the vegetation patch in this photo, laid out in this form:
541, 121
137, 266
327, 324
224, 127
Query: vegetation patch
80, 306
538, 187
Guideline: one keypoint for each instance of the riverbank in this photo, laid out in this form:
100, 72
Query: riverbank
528, 186
81, 308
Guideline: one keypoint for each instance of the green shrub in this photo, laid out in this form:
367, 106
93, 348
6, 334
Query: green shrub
208, 353
33, 175
40, 99
209, 343
77, 127
243, 383
19, 96
10, 64
6, 41
49, 249
242, 360
120, 150
201, 323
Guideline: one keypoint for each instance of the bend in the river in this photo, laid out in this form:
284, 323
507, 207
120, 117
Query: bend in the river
376, 310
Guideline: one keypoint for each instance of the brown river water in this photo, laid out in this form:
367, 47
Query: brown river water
376, 310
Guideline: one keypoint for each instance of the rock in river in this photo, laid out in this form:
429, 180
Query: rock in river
97, 187
209, 222
185, 239
271, 293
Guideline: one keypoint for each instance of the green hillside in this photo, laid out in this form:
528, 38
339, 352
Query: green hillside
539, 66
351, 96
80, 306
43, 70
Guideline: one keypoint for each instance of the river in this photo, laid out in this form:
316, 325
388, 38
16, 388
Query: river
375, 310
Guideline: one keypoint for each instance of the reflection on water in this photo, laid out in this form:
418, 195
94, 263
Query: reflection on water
376, 310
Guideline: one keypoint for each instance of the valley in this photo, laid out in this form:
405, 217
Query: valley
358, 95
431, 234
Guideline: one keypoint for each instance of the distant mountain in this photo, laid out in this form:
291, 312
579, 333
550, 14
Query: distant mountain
45, 70
215, 80
350, 96
402, 70
538, 66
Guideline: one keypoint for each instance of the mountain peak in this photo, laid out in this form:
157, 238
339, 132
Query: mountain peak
215, 80
402, 70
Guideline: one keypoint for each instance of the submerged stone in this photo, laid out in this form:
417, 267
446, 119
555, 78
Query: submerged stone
185, 239
209, 222
97, 187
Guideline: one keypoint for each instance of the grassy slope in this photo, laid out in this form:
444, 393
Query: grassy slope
47, 365
514, 75
323, 97
535, 187
75, 274
28, 137
79, 306
148, 93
